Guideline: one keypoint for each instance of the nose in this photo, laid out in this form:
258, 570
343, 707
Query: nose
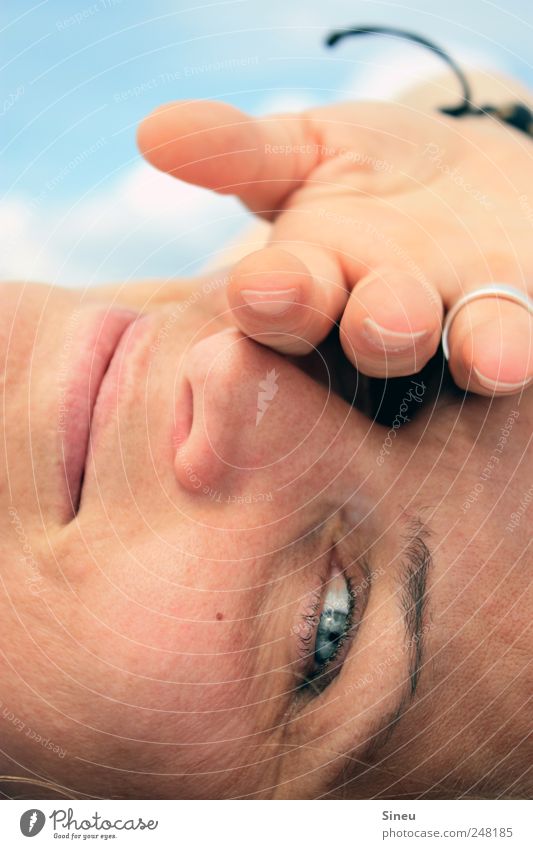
247, 420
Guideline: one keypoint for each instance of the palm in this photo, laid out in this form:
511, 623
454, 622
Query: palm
439, 196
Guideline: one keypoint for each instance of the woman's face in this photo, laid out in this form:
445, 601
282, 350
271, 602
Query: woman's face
219, 579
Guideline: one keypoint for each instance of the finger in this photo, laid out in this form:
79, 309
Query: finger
491, 347
288, 299
217, 146
392, 323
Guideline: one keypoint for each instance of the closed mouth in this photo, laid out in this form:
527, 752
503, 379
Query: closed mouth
89, 369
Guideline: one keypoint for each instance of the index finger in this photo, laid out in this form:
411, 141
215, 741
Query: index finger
215, 145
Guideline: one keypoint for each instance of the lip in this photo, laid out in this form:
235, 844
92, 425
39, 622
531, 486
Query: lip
100, 338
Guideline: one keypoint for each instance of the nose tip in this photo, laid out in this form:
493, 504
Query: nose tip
213, 411
249, 421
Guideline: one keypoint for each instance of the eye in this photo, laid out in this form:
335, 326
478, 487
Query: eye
334, 619
325, 631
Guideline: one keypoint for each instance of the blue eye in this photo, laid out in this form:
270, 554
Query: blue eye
334, 620
324, 631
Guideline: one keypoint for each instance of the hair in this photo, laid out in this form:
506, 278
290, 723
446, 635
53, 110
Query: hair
52, 788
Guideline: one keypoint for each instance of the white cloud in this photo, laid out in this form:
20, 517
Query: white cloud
144, 224
388, 71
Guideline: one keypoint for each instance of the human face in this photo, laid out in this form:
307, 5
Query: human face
179, 506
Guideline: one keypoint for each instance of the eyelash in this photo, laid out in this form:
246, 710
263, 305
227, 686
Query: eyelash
318, 679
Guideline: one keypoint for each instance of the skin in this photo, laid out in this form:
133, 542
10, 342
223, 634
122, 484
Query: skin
153, 636
383, 216
151, 641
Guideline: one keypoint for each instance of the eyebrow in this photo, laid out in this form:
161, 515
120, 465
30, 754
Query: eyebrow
413, 599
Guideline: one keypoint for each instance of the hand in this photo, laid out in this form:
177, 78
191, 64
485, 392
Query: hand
383, 217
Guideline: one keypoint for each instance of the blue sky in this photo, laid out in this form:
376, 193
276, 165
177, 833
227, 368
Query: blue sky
76, 204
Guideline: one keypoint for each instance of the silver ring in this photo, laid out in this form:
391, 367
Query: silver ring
493, 290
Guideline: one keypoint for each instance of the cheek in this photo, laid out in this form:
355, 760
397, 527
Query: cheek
174, 680
178, 643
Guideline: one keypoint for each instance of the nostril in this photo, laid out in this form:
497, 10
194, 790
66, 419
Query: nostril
183, 414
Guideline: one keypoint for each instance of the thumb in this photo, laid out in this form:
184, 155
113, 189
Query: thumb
215, 145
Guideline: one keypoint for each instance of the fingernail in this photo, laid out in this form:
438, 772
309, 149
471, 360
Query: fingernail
391, 340
500, 385
269, 301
